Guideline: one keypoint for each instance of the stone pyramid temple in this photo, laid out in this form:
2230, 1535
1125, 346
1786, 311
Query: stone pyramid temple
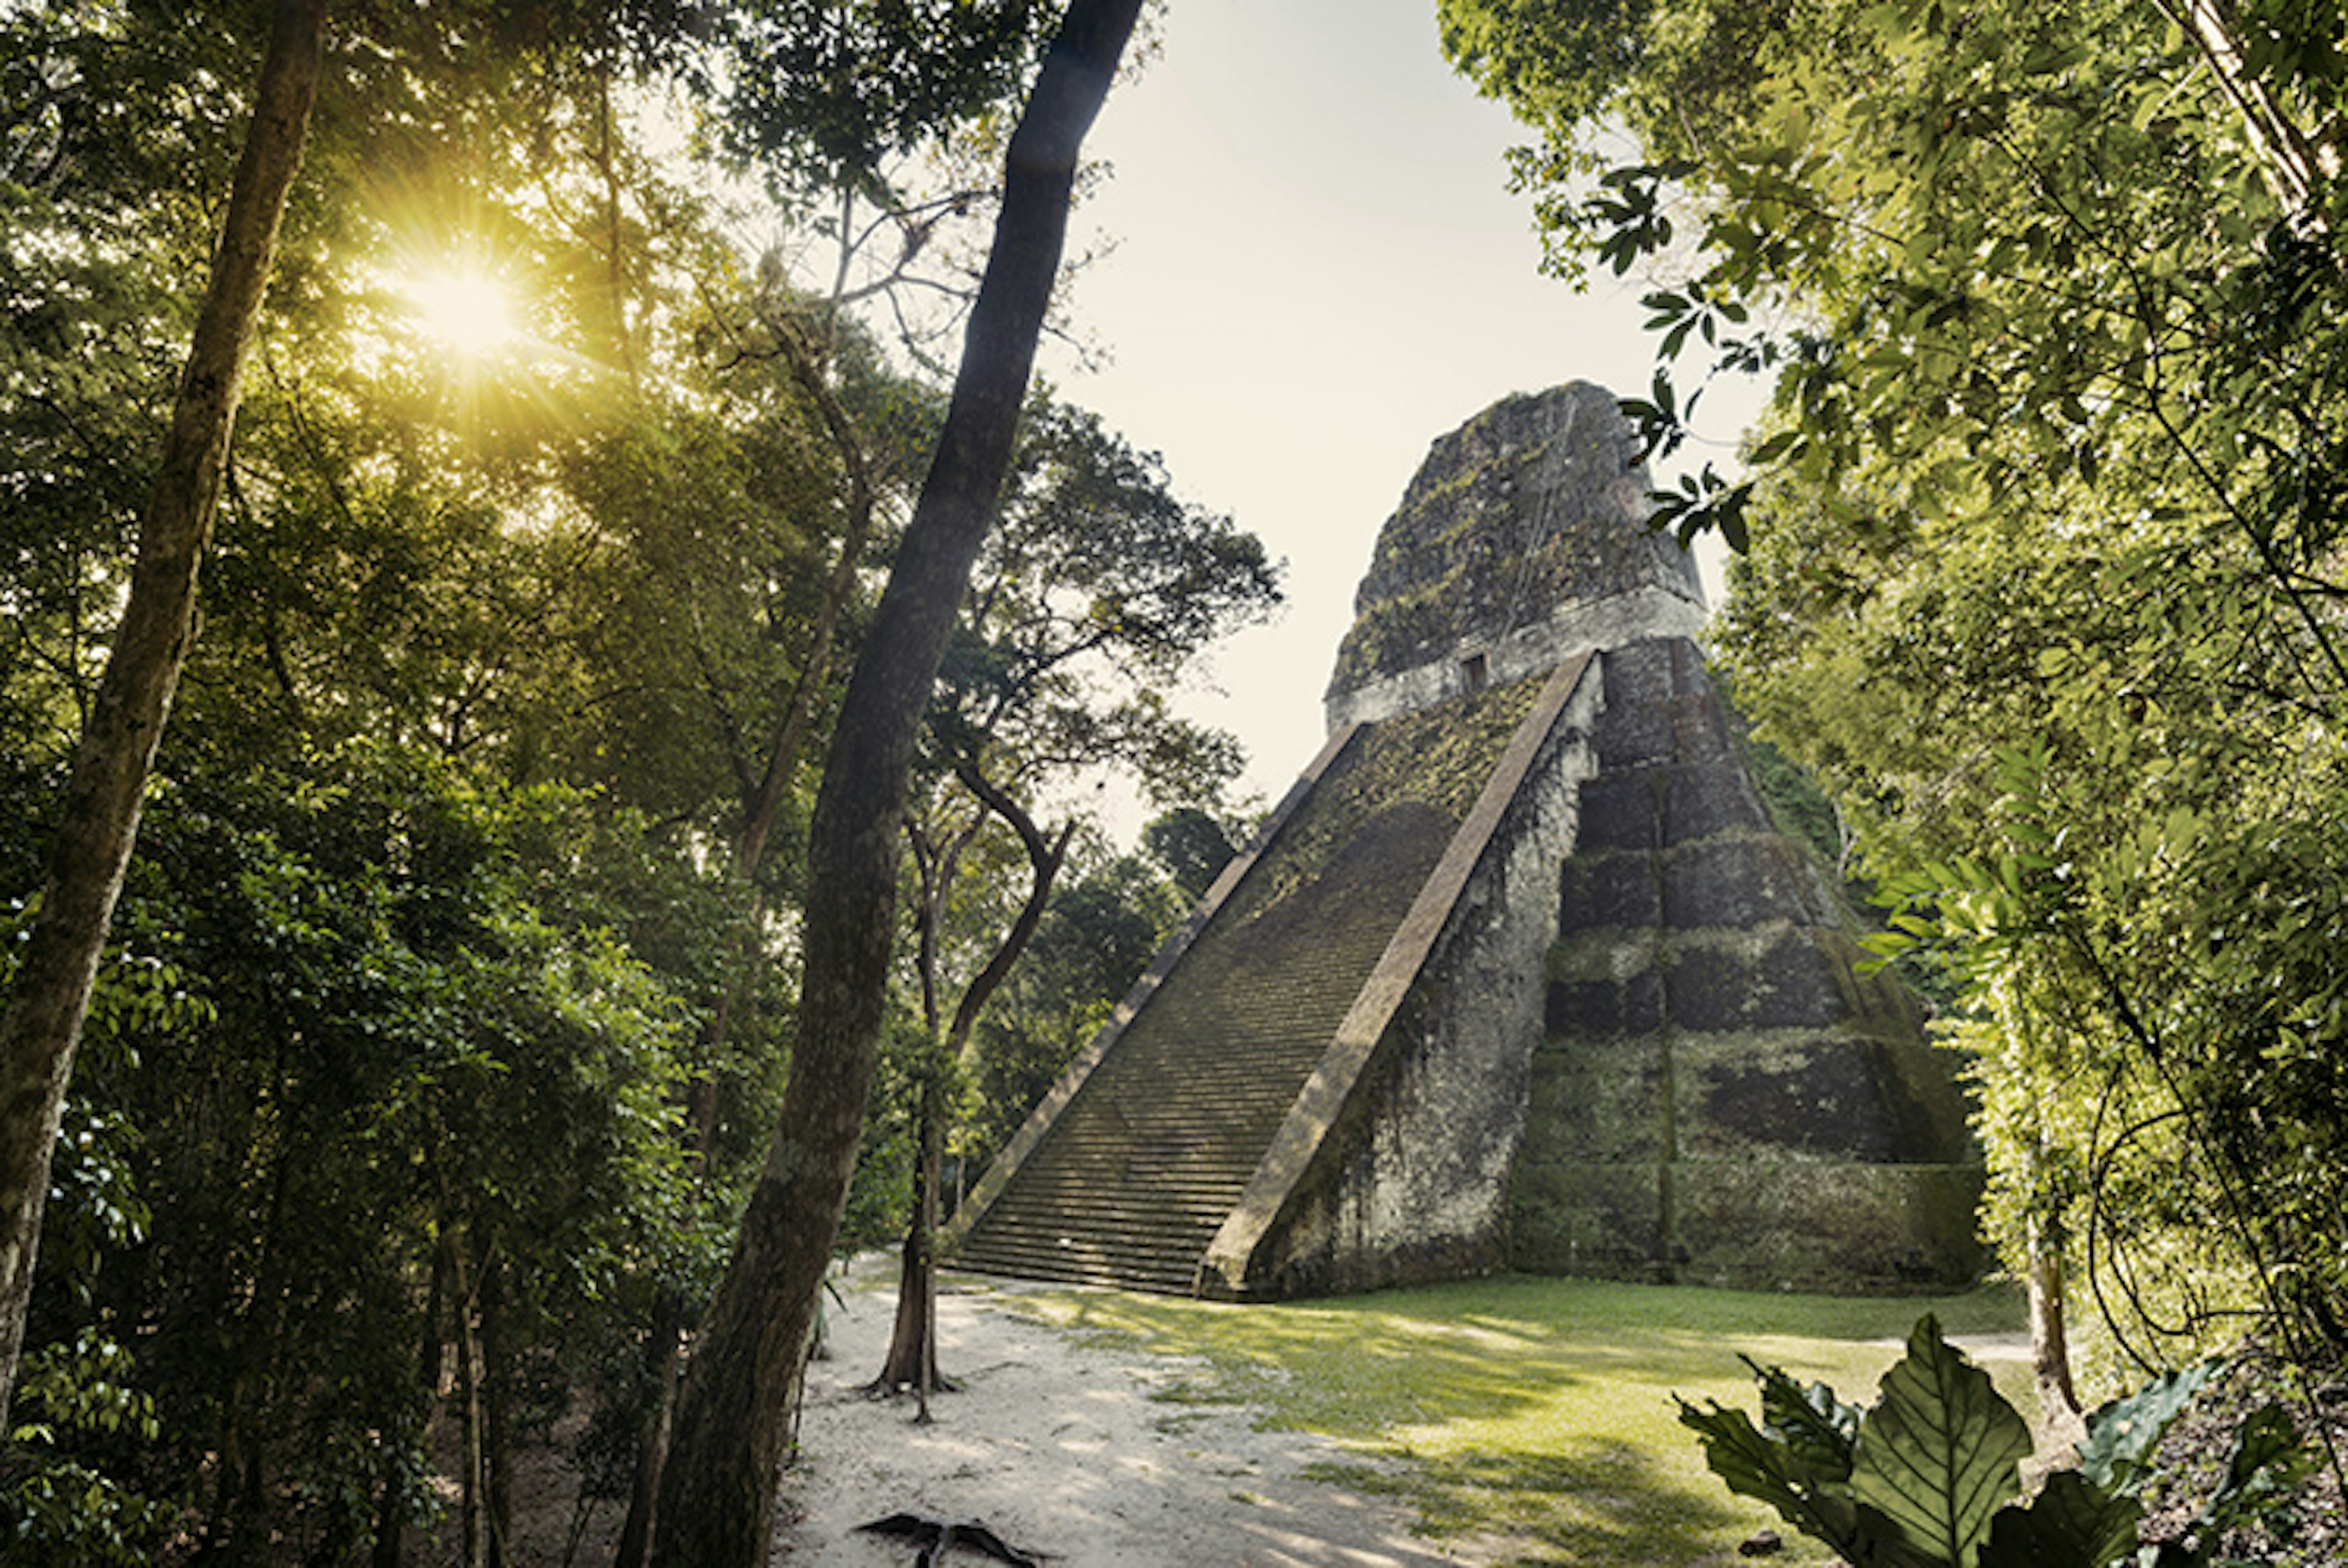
1518, 975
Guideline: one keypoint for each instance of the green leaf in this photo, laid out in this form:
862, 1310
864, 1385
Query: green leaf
1810, 1421
1941, 1451
1752, 1465
2072, 1524
2122, 1434
2268, 1459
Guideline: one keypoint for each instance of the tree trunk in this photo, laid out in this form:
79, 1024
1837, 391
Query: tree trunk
2049, 1343
497, 1415
913, 1361
662, 1349
468, 1396
99, 821
398, 1501
718, 1490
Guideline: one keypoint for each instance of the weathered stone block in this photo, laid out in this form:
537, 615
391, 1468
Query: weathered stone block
1742, 882
1598, 1221
1636, 735
1599, 1103
1781, 979
1619, 811
1701, 732
1700, 800
1855, 1229
1642, 675
1604, 1008
1609, 889
1841, 1097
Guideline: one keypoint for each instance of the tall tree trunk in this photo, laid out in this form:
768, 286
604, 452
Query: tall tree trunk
661, 1355
398, 1500
100, 817
497, 1415
717, 1492
470, 1489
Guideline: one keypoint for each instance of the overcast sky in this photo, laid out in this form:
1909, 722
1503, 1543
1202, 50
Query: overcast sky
1318, 270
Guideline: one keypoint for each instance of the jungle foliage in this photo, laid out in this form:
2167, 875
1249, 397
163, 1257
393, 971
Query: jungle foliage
445, 1018
1931, 1475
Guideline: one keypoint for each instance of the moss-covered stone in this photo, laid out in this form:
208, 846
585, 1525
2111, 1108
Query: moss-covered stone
1534, 503
1713, 1045
1439, 757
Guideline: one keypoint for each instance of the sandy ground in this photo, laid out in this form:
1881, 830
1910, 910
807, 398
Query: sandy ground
1058, 1448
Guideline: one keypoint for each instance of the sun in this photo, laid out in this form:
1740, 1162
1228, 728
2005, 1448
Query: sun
472, 314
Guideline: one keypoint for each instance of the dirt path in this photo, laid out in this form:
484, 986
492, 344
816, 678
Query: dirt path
1058, 1448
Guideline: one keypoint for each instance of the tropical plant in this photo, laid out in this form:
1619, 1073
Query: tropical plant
1927, 1477
55, 1505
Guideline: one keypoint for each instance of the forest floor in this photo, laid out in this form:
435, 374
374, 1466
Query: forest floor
1065, 1448
1075, 1452
1519, 1420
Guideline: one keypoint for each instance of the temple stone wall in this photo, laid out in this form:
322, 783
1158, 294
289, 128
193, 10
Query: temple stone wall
1394, 1167
1720, 1096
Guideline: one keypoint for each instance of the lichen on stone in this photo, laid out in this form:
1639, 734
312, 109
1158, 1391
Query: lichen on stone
1439, 757
1534, 504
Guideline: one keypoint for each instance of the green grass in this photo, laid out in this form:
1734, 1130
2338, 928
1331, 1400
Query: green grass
1541, 1411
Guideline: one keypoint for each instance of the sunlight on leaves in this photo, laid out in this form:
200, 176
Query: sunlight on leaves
469, 313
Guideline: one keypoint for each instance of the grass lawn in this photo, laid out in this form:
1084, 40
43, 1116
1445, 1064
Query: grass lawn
1537, 1410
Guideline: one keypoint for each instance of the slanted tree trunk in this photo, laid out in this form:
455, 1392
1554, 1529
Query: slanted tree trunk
99, 821
717, 1490
810, 368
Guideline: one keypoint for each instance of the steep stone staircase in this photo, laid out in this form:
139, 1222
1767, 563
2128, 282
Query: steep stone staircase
1134, 1178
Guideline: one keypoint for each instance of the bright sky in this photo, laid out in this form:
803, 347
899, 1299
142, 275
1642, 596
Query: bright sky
1319, 269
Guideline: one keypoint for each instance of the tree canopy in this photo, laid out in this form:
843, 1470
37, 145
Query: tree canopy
449, 998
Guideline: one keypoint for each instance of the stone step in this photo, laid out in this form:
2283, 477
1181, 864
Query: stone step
1168, 1263
1144, 1164
1113, 1274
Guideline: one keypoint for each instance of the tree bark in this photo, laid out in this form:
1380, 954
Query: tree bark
2050, 1341
99, 822
496, 1415
912, 1359
732, 1416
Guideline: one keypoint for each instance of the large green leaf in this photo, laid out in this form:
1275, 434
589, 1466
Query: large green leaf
1810, 1421
1941, 1451
1753, 1464
2122, 1434
2268, 1459
2072, 1524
